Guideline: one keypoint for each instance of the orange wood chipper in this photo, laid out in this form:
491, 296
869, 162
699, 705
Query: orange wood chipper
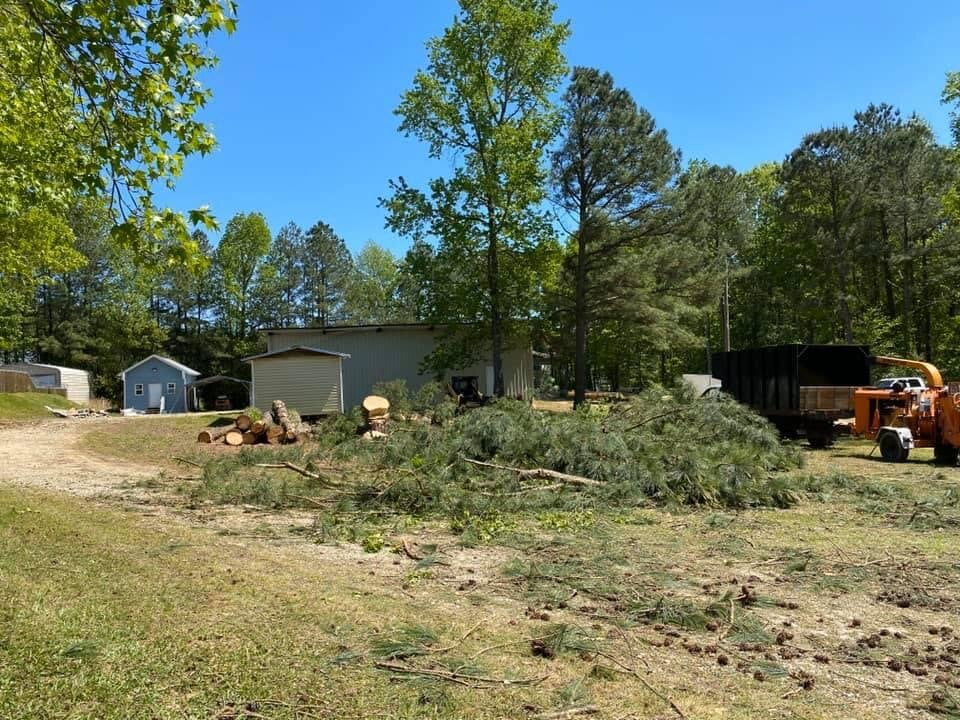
901, 418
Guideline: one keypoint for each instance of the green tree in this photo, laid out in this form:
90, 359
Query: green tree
111, 91
280, 281
327, 266
373, 294
484, 101
610, 174
240, 253
718, 208
34, 245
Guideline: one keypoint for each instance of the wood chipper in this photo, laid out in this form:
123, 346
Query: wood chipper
900, 418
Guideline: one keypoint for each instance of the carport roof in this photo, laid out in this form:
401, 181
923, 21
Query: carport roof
297, 348
218, 378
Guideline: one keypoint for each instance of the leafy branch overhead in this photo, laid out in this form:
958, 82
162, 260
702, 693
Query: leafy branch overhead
112, 92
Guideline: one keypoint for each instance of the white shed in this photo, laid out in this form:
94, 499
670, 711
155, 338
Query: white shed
76, 382
309, 380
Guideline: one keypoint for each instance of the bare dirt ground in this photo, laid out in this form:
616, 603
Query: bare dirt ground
48, 458
55, 459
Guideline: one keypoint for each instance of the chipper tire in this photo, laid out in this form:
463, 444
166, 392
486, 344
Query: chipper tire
890, 448
945, 455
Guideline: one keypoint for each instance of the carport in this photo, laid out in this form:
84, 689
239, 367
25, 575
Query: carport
208, 389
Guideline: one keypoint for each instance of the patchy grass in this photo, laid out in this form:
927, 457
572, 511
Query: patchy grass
154, 440
843, 605
30, 406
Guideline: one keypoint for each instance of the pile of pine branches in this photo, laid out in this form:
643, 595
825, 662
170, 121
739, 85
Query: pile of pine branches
665, 448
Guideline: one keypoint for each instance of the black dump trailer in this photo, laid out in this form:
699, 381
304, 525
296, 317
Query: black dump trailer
802, 389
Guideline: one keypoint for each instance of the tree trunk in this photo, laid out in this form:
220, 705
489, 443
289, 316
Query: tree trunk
233, 437
580, 325
908, 330
496, 317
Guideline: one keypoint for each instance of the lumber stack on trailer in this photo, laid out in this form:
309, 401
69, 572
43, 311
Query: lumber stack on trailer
275, 426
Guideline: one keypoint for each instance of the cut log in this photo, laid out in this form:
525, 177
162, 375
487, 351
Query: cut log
233, 437
211, 434
303, 432
243, 422
259, 427
250, 438
376, 406
282, 416
274, 435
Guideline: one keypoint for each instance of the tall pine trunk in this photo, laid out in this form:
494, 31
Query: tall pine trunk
580, 322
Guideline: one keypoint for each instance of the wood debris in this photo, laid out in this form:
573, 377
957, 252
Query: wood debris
275, 426
76, 413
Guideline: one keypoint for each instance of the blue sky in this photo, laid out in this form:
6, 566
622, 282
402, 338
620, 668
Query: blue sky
305, 91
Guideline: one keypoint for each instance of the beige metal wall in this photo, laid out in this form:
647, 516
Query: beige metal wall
395, 353
75, 382
306, 382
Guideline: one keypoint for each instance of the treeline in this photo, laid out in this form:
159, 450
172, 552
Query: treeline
565, 216
117, 306
852, 238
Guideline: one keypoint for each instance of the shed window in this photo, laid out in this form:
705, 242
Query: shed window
138, 389
171, 388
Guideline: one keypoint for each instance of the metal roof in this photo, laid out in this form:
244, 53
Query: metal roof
46, 365
165, 360
218, 378
368, 328
302, 348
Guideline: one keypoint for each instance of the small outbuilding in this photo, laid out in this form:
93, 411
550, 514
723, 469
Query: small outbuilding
75, 382
159, 384
309, 380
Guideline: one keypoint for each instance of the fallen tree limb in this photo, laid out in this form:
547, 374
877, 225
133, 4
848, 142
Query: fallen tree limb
541, 473
188, 462
312, 501
474, 681
636, 673
408, 551
568, 713
290, 466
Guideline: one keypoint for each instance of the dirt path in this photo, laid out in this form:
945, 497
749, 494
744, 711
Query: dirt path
47, 456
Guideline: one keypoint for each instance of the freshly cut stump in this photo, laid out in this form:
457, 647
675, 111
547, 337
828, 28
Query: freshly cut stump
376, 406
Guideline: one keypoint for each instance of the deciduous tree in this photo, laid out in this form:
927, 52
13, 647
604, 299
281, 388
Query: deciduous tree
484, 101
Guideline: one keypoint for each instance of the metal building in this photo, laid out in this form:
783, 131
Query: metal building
307, 379
380, 353
75, 382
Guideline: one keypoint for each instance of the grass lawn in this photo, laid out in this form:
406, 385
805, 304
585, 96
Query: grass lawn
30, 406
155, 440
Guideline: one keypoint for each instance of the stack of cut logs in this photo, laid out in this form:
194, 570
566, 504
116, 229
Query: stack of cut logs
274, 427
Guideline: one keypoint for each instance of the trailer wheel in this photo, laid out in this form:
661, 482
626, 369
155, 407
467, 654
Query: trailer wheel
945, 455
890, 448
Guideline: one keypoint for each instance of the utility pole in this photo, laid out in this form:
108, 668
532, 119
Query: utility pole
726, 301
